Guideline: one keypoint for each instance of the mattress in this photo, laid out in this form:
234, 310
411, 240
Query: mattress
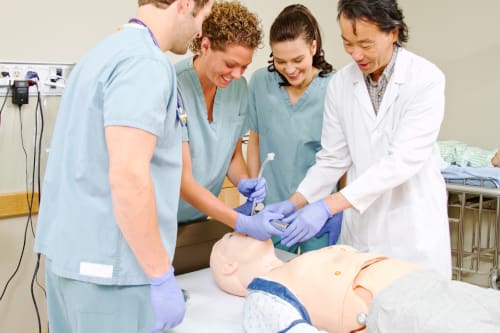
209, 309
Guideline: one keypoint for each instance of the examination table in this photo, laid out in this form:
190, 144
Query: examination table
208, 309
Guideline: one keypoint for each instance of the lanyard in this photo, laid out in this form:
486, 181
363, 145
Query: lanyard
136, 20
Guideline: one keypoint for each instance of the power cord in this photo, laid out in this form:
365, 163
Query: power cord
29, 212
3, 104
30, 198
39, 108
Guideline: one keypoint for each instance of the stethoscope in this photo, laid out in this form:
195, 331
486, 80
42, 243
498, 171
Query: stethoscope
181, 114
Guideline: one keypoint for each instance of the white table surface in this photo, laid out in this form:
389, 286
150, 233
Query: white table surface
209, 309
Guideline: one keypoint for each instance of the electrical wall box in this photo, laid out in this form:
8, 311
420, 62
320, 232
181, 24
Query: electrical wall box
20, 92
51, 77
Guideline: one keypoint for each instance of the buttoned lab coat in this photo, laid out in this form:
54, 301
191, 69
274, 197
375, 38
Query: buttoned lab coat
394, 180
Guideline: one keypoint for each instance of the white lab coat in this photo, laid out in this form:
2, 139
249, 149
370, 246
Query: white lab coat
394, 179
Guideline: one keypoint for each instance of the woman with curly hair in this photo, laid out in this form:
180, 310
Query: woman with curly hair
286, 112
214, 94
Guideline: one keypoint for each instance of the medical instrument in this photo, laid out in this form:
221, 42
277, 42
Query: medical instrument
185, 293
279, 225
269, 157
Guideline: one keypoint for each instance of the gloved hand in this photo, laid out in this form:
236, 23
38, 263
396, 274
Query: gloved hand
332, 226
245, 209
259, 225
253, 188
305, 223
167, 300
283, 207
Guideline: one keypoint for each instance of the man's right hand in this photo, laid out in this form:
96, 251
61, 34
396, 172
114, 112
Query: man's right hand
167, 301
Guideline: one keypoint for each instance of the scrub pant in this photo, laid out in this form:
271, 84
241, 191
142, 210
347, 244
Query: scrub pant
314, 243
81, 307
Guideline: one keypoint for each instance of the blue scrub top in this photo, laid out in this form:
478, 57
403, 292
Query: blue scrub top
125, 80
292, 132
211, 144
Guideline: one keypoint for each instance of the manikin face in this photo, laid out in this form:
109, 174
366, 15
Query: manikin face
242, 248
189, 26
294, 59
369, 47
222, 67
236, 259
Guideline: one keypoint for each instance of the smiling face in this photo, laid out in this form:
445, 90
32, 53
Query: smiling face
294, 60
368, 46
222, 67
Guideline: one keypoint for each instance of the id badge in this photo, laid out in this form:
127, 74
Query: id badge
181, 116
181, 113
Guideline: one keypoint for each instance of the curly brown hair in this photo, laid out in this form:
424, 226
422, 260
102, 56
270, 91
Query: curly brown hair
229, 23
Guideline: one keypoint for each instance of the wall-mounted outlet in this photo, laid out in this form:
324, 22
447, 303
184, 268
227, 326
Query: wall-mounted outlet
51, 76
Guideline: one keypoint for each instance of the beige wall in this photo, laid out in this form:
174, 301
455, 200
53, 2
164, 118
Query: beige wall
459, 36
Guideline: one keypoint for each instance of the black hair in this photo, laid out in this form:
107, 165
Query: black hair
386, 14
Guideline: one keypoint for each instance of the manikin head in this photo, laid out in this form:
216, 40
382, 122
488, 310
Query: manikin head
236, 259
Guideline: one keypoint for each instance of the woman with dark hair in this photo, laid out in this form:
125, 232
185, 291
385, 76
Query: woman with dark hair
286, 109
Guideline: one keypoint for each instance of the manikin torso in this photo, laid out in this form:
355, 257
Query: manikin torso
314, 278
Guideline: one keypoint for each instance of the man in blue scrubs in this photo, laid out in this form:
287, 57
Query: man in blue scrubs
107, 222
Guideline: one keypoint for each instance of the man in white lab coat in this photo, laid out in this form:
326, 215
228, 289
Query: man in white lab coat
382, 118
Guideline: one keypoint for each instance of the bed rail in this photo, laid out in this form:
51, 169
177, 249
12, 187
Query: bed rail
475, 202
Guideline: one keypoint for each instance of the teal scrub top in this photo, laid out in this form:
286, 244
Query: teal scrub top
125, 80
291, 132
211, 144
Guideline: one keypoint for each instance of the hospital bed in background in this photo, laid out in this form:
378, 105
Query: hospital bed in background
474, 216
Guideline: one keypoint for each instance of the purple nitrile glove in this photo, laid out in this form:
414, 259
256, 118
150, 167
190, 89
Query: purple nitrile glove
259, 225
167, 301
245, 209
254, 189
305, 223
283, 207
332, 226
